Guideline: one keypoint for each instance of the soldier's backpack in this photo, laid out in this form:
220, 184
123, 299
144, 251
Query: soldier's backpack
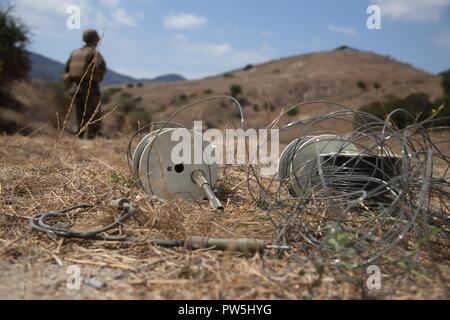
81, 60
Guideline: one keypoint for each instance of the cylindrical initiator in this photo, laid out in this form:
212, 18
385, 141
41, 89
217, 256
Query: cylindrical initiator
199, 178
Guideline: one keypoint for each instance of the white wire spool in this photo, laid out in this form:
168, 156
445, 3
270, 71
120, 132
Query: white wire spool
298, 161
156, 173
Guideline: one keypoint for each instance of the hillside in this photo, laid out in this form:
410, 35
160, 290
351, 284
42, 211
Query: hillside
347, 75
43, 68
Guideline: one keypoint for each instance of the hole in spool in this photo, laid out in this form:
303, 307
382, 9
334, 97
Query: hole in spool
179, 168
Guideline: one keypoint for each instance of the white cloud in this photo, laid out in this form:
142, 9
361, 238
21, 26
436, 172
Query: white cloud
184, 21
342, 30
202, 48
413, 10
443, 40
45, 15
266, 48
211, 54
110, 3
266, 34
48, 6
122, 17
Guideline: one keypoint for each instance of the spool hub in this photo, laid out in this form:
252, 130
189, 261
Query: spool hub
156, 173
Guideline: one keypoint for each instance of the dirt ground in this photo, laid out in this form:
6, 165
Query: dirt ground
40, 174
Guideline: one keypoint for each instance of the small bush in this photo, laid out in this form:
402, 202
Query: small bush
377, 85
132, 108
418, 105
130, 85
445, 82
126, 102
243, 101
208, 91
139, 84
292, 112
228, 75
141, 115
362, 84
444, 112
235, 90
182, 97
248, 67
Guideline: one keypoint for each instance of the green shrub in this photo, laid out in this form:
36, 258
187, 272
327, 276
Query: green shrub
243, 101
182, 98
141, 115
14, 61
444, 112
126, 102
418, 105
130, 85
248, 67
445, 83
208, 91
362, 84
235, 90
292, 112
377, 85
228, 75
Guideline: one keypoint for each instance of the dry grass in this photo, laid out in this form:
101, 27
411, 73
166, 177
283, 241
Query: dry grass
37, 175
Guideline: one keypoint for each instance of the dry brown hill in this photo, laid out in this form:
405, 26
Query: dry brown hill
345, 75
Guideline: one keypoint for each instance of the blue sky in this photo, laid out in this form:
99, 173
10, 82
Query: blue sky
197, 38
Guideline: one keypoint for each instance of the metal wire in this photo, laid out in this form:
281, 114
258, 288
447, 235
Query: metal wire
393, 194
38, 222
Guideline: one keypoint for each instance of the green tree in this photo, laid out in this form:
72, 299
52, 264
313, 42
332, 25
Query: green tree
14, 60
418, 105
446, 82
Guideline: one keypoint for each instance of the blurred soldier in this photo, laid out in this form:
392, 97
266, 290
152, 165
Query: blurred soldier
83, 73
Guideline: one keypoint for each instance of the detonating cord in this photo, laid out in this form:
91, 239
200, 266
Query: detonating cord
38, 222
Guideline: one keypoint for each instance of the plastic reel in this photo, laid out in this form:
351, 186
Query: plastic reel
156, 173
298, 161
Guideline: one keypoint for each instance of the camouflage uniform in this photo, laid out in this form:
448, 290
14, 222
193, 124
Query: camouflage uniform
83, 73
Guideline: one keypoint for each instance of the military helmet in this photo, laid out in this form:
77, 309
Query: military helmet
90, 35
